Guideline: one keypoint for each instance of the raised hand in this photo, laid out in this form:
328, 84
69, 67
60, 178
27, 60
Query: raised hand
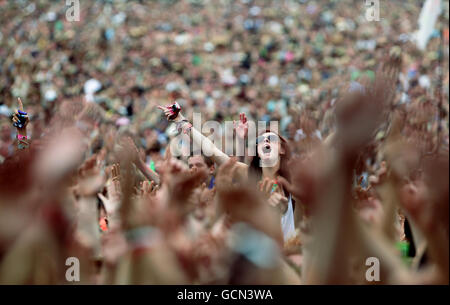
180, 181
241, 128
90, 177
266, 186
244, 204
113, 189
128, 147
148, 189
20, 119
305, 179
379, 176
425, 201
225, 174
129, 151
172, 112
361, 112
206, 195
279, 201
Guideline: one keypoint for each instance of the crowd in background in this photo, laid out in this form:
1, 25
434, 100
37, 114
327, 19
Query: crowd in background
95, 178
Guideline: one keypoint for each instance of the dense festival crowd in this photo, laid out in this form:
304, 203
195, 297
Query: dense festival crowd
91, 113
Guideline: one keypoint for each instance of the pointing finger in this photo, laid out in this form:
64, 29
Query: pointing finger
20, 104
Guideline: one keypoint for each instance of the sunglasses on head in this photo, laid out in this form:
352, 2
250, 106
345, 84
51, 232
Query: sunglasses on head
271, 137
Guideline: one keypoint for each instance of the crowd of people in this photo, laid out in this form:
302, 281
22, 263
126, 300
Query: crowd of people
357, 169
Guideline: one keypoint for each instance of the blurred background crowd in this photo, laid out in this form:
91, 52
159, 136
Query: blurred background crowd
286, 61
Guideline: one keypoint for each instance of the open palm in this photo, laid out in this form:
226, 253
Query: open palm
241, 127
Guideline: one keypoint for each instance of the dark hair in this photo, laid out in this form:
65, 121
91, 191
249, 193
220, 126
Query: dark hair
255, 170
209, 161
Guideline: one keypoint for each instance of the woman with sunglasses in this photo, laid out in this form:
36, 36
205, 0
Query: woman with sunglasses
269, 163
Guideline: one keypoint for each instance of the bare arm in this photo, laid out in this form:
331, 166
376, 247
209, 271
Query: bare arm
208, 147
20, 119
131, 148
147, 172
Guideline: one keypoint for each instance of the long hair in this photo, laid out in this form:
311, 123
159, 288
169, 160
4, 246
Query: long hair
255, 170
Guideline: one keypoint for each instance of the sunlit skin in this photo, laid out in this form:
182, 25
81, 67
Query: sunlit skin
196, 163
354, 146
269, 149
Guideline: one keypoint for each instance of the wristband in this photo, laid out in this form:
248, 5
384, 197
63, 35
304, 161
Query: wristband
274, 186
21, 137
184, 126
175, 108
22, 144
22, 117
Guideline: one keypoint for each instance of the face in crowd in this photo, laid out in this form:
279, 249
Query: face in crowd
269, 148
198, 163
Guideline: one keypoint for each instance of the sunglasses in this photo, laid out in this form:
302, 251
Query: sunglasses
271, 137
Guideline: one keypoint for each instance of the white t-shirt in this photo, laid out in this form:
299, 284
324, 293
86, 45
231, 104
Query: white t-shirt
287, 221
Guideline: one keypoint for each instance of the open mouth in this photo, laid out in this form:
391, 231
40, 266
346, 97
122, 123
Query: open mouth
266, 149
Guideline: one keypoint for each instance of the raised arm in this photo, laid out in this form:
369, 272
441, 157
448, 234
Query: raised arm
20, 119
129, 145
208, 147
147, 172
241, 129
